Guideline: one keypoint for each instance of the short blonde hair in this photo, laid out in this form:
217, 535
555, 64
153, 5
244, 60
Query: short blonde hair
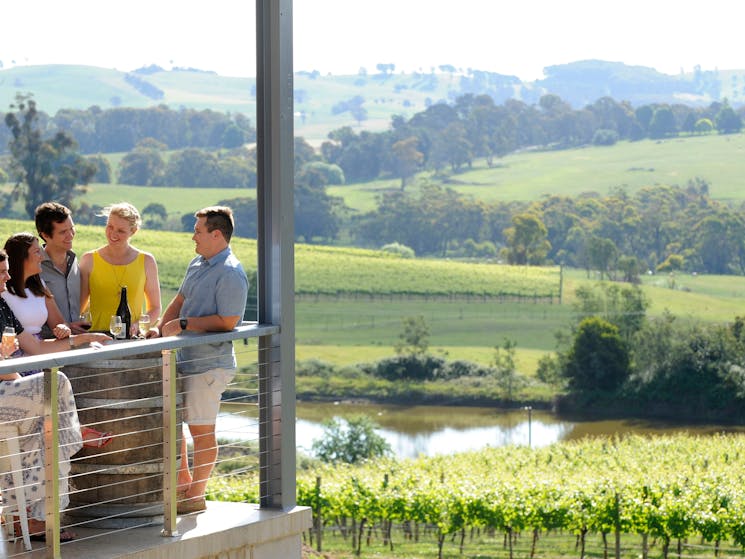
125, 211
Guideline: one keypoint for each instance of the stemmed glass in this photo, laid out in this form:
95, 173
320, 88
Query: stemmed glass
116, 326
144, 324
85, 320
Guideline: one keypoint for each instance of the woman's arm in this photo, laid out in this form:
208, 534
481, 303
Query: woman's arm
31, 345
55, 320
86, 266
152, 288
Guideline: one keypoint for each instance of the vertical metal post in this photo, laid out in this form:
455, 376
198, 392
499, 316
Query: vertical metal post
170, 447
276, 284
51, 463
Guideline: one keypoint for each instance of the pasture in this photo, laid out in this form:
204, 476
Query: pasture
527, 176
350, 304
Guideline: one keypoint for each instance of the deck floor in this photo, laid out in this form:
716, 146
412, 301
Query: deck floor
205, 530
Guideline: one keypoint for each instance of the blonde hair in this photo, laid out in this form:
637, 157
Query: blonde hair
125, 211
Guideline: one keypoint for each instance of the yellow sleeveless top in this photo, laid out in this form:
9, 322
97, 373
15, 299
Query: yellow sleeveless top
106, 282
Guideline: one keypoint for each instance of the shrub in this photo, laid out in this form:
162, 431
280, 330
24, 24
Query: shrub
315, 368
406, 367
460, 368
604, 137
598, 358
350, 441
397, 248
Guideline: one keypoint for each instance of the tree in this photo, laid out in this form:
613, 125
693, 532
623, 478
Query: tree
141, 167
350, 441
44, 169
623, 306
154, 215
103, 168
728, 121
406, 159
662, 124
191, 167
598, 358
601, 254
316, 213
526, 240
414, 339
703, 126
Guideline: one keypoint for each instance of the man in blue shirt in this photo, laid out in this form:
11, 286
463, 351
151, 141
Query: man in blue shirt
212, 298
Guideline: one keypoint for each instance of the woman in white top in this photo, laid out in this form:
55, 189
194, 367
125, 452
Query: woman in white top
26, 295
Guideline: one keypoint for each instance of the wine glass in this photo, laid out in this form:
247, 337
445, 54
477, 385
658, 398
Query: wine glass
85, 320
9, 341
144, 324
116, 326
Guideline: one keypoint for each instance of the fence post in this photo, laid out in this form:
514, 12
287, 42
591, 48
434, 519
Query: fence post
51, 463
319, 518
170, 447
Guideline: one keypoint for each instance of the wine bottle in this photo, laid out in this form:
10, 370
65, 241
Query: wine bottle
123, 311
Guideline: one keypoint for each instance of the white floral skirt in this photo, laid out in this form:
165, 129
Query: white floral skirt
22, 404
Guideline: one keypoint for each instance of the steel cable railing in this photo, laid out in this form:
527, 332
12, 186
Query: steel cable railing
129, 482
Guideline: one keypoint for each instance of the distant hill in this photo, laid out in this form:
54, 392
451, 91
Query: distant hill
323, 102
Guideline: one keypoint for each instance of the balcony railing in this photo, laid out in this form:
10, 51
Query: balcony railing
131, 389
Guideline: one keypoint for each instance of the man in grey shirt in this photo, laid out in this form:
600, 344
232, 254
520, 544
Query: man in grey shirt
212, 298
59, 265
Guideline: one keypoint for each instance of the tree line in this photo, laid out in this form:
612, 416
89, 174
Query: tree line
116, 130
451, 136
620, 235
665, 228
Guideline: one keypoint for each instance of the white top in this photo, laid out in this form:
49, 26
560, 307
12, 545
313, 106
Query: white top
31, 312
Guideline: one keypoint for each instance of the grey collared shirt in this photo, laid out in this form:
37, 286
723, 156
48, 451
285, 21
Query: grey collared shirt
64, 285
215, 286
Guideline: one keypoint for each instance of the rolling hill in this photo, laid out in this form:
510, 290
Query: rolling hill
319, 98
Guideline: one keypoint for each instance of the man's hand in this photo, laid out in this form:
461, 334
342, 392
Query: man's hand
170, 328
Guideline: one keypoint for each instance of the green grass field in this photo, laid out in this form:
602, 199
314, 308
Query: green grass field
528, 176
363, 323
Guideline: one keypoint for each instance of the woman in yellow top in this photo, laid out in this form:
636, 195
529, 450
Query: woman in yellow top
104, 271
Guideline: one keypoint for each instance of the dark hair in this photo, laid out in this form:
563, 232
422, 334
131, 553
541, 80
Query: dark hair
218, 217
17, 247
47, 214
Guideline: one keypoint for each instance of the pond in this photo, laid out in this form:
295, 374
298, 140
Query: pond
429, 430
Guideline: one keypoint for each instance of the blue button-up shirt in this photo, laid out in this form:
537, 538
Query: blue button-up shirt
215, 286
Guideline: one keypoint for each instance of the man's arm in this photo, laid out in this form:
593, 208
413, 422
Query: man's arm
210, 323
169, 316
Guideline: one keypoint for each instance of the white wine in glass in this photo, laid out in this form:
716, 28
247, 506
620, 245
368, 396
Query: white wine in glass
116, 326
144, 324
9, 341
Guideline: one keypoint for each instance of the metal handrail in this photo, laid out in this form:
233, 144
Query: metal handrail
125, 348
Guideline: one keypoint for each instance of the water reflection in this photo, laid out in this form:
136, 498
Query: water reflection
430, 430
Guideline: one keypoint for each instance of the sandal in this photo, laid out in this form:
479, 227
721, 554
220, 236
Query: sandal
191, 505
64, 537
38, 531
95, 439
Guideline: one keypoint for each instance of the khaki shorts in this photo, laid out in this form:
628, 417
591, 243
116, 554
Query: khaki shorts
202, 398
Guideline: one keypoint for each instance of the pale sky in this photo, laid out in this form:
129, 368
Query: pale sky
339, 36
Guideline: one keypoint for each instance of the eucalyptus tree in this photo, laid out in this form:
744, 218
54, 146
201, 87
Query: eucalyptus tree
43, 168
